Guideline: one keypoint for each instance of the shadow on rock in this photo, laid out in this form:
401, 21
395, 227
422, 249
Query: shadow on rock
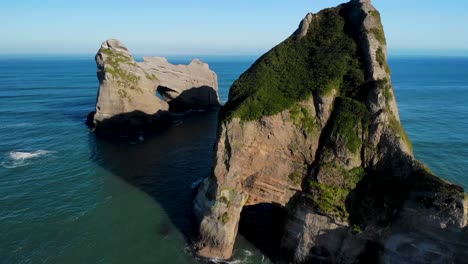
129, 125
196, 98
376, 200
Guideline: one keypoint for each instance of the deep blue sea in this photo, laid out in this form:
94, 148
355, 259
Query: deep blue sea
68, 197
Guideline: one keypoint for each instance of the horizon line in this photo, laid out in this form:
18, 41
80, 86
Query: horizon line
391, 52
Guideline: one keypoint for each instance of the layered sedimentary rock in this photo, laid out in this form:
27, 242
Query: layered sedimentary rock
313, 126
127, 98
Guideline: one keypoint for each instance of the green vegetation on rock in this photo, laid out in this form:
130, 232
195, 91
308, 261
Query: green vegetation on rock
356, 229
425, 181
380, 55
378, 31
224, 218
331, 199
396, 126
295, 178
387, 91
349, 118
303, 118
124, 79
325, 59
224, 200
378, 34
152, 77
122, 93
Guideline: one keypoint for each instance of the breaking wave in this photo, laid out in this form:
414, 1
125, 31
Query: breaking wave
246, 257
16, 159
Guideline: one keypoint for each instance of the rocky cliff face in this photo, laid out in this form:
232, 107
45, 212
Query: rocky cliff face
127, 97
313, 126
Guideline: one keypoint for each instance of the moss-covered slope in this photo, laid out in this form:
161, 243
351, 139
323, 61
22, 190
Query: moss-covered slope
326, 58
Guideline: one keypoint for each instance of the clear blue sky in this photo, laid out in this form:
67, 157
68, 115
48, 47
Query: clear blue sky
210, 26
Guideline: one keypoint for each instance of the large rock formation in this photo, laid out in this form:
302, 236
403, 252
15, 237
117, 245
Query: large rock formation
127, 99
313, 126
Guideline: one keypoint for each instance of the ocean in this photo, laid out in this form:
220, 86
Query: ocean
69, 197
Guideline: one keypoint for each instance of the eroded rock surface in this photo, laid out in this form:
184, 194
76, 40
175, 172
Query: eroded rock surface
127, 99
184, 86
313, 126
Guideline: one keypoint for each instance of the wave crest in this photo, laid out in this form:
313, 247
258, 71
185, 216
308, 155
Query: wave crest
17, 159
20, 155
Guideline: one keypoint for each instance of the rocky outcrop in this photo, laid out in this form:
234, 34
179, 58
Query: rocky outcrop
127, 99
304, 25
313, 126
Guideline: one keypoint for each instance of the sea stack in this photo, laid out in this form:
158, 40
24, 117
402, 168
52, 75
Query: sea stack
313, 126
127, 98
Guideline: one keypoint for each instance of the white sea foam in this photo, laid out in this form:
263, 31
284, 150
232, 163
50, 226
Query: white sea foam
16, 159
20, 155
222, 261
13, 164
16, 125
245, 259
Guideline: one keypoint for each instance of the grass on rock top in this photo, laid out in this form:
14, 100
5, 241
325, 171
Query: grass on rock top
378, 31
323, 60
123, 78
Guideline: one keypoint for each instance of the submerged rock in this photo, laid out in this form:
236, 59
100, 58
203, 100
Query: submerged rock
313, 126
127, 99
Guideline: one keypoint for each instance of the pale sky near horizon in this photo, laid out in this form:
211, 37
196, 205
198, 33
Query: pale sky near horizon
211, 26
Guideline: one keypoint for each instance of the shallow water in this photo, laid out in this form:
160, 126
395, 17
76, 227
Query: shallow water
68, 197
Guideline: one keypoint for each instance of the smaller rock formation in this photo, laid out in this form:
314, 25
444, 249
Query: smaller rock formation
127, 100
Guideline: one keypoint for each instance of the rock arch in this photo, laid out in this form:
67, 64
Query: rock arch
127, 97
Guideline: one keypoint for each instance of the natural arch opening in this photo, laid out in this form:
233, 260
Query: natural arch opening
263, 225
166, 94
159, 95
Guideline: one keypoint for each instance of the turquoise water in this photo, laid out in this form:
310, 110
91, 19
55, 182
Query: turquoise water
68, 197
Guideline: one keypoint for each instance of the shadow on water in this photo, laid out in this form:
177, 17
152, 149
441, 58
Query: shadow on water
165, 165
